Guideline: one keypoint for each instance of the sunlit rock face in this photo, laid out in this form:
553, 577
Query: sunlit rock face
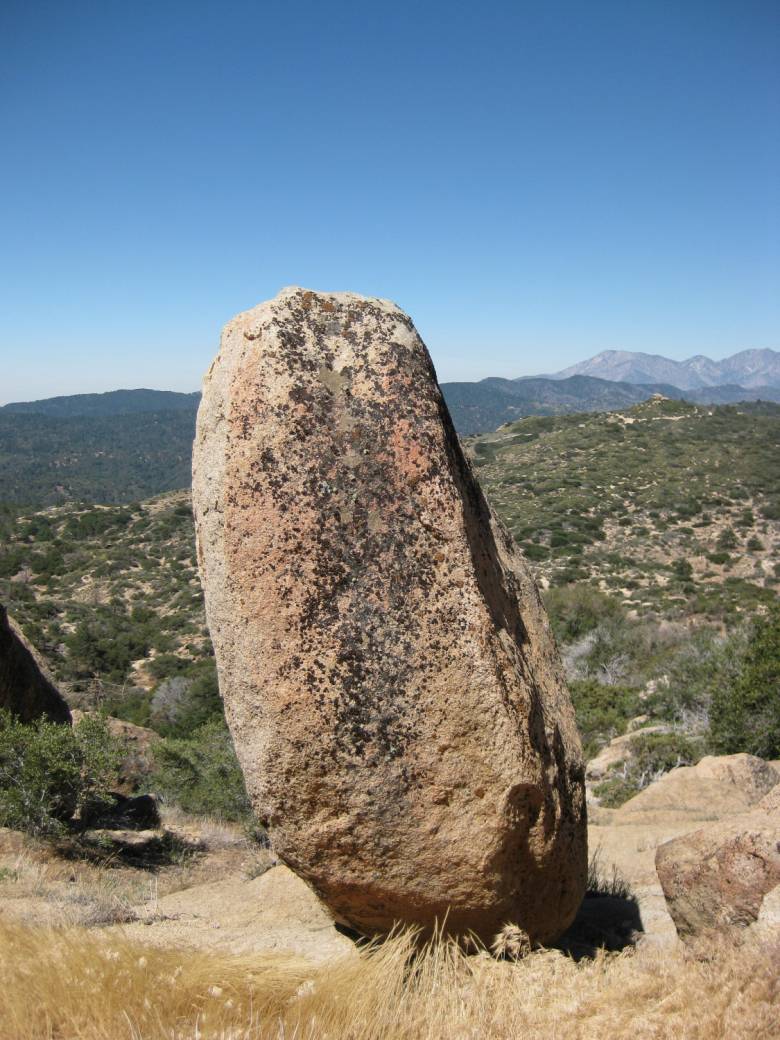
394, 693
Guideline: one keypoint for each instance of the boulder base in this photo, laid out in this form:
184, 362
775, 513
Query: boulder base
393, 690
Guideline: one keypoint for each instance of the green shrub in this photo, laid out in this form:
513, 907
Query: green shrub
746, 715
719, 557
652, 755
534, 552
683, 570
130, 704
727, 539
106, 643
602, 712
696, 671
201, 774
49, 771
576, 610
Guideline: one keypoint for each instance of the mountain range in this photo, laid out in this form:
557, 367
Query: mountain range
748, 368
481, 407
125, 445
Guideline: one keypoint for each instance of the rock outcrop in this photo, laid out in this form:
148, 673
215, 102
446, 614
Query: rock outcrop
716, 786
393, 690
723, 875
25, 688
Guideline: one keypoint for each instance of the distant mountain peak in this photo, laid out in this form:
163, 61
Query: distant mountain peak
748, 368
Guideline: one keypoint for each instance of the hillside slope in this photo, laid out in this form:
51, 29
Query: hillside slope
47, 459
102, 589
674, 505
484, 406
132, 444
114, 402
673, 508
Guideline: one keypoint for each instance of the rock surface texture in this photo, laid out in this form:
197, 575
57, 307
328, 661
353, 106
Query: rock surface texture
25, 689
723, 874
394, 693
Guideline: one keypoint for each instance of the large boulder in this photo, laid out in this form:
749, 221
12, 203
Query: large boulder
723, 875
25, 688
393, 690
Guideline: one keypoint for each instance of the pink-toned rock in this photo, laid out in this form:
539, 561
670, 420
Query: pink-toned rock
723, 874
394, 693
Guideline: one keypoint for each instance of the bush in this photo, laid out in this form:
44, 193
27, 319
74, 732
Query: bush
602, 712
201, 774
187, 698
576, 610
726, 539
534, 552
719, 557
132, 704
746, 715
49, 772
706, 665
682, 569
652, 755
106, 643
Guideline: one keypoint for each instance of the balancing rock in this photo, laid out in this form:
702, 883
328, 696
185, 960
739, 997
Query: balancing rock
390, 680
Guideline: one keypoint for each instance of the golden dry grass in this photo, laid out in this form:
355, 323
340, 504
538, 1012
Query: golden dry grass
62, 985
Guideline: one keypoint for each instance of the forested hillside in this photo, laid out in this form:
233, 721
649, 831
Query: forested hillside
48, 459
670, 509
128, 445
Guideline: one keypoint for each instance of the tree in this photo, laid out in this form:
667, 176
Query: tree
49, 771
746, 716
683, 570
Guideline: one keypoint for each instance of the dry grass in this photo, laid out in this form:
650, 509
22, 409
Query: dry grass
62, 985
68, 893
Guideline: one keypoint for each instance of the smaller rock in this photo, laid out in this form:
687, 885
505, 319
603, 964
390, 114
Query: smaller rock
715, 787
275, 911
726, 874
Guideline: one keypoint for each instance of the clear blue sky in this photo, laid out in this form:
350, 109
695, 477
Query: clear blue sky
533, 182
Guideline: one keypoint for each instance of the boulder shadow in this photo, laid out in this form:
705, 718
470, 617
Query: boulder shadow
144, 850
604, 921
